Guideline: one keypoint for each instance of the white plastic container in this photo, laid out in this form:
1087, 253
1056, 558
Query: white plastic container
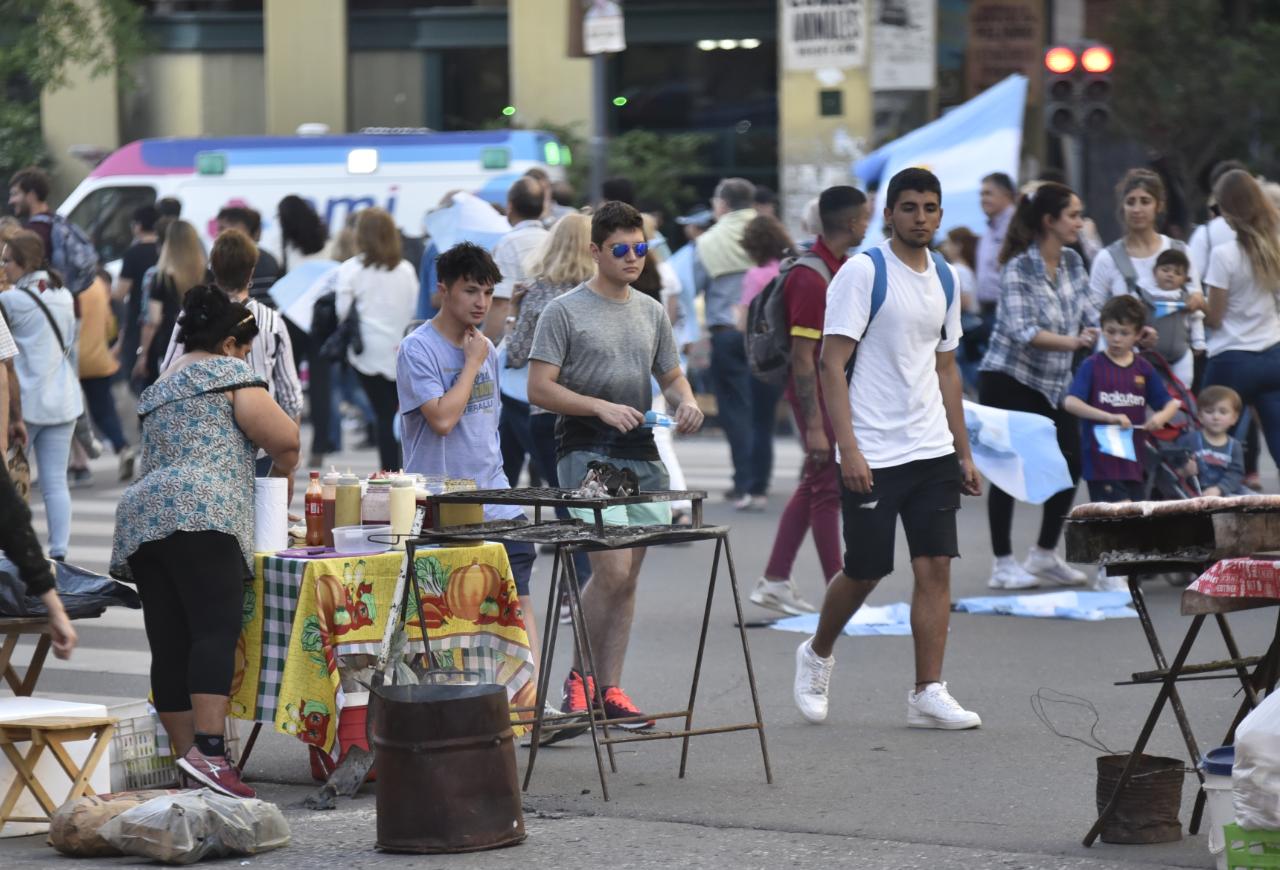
359, 539
1216, 765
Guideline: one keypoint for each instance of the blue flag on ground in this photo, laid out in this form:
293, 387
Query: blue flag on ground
1017, 452
971, 141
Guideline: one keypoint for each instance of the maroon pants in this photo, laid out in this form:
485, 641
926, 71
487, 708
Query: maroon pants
814, 505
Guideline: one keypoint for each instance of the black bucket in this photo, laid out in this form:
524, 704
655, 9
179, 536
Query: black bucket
1147, 809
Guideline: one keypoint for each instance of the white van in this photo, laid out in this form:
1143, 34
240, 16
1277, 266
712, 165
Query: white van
407, 173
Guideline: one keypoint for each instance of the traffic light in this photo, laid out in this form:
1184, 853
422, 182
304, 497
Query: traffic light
1077, 87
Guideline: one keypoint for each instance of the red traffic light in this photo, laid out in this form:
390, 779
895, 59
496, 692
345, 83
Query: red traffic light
1096, 59
1061, 60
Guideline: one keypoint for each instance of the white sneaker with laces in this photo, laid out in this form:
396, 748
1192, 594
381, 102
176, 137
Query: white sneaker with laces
813, 677
780, 595
1008, 574
1103, 582
933, 707
1048, 566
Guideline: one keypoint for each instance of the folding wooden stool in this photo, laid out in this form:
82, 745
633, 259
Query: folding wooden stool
51, 733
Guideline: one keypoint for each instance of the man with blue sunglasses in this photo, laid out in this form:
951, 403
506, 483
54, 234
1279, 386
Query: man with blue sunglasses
594, 351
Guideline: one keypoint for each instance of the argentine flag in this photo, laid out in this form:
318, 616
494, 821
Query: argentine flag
1116, 441
1165, 307
974, 139
1017, 452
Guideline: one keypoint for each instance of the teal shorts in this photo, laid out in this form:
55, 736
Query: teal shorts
651, 475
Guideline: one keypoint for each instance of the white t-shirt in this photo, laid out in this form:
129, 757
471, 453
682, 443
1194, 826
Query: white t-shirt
512, 252
1205, 239
1252, 320
898, 415
385, 300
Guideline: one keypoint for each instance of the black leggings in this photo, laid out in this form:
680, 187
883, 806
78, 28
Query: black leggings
382, 395
998, 390
192, 588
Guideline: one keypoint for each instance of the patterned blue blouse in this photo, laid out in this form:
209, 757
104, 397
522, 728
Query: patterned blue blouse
197, 464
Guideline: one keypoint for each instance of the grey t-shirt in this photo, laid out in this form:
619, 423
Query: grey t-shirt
606, 350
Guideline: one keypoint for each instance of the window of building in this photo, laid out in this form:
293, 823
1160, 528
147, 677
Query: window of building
475, 88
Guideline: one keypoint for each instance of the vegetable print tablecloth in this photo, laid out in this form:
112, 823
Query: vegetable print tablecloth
300, 615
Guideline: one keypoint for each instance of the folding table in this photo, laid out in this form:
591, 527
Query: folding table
51, 733
12, 628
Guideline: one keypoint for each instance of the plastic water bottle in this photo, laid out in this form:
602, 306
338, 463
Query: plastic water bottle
653, 418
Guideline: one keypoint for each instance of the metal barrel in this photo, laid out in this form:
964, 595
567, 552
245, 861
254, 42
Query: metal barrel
446, 762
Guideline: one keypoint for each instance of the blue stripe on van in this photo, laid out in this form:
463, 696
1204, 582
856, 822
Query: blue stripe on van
408, 148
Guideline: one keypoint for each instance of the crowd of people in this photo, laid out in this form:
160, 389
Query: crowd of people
543, 355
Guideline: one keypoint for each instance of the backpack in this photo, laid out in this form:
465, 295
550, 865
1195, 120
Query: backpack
880, 288
1175, 332
768, 331
73, 255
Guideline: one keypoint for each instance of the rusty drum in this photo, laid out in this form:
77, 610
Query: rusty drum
446, 762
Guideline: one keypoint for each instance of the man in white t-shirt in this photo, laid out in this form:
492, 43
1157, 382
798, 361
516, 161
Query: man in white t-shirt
903, 446
525, 202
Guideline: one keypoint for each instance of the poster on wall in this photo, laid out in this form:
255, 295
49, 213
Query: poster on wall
903, 40
1006, 37
823, 34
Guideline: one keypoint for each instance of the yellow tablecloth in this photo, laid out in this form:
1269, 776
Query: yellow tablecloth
302, 614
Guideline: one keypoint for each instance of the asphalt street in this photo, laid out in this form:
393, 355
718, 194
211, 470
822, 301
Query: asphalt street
861, 790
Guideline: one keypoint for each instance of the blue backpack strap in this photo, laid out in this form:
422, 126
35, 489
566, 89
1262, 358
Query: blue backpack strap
946, 277
879, 283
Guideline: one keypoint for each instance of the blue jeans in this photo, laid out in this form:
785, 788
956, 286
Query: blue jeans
52, 448
102, 408
731, 384
1255, 375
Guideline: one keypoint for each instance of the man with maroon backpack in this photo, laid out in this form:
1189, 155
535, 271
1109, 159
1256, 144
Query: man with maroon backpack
815, 504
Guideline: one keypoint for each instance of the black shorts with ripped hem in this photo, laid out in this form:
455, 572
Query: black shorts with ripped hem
925, 493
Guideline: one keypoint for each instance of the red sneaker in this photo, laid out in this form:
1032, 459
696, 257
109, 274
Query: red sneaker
577, 700
618, 706
215, 772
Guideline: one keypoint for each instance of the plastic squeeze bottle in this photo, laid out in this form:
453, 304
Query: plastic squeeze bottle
403, 506
329, 494
347, 501
314, 502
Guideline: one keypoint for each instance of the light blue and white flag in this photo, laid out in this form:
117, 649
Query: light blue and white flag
1084, 606
1116, 441
969, 142
1017, 452
886, 621
467, 219
1165, 307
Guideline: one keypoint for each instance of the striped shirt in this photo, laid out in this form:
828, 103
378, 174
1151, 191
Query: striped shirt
8, 349
270, 356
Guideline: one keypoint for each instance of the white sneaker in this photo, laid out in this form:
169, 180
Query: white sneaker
933, 707
813, 676
1048, 566
1008, 574
1103, 582
780, 595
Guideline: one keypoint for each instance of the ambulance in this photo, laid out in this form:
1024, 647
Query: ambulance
407, 172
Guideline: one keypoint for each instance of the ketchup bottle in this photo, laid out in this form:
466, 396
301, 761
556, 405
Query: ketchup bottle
315, 512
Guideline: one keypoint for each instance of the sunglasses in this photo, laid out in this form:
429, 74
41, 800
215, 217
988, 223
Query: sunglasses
620, 250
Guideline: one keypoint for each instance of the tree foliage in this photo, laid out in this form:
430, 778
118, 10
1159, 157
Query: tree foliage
41, 41
1194, 80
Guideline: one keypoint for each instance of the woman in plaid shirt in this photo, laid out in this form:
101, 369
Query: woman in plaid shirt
1044, 317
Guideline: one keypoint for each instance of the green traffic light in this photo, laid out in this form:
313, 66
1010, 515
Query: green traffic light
619, 101
508, 110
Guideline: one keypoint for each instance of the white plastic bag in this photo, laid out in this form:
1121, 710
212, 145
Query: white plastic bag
184, 828
1255, 776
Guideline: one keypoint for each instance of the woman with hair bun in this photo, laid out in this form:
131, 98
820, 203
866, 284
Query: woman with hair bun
184, 529
1045, 317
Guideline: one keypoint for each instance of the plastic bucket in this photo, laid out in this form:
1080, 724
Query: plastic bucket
1216, 766
1147, 811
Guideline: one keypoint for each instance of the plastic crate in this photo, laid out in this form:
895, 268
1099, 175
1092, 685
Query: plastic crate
1251, 850
140, 754
137, 761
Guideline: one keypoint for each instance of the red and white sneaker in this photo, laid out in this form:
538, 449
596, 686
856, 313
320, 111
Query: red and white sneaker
618, 706
215, 772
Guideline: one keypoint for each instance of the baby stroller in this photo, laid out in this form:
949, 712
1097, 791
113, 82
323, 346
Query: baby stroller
1163, 456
